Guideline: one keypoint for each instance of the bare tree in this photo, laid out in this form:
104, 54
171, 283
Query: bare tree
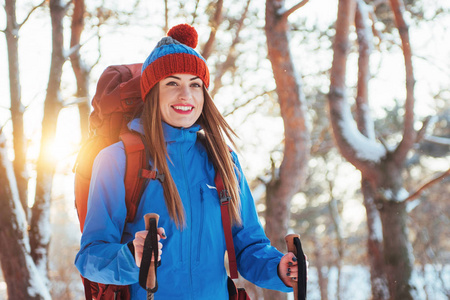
381, 166
17, 109
22, 278
40, 218
286, 181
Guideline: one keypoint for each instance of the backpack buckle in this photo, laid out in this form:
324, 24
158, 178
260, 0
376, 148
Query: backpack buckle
160, 177
154, 175
224, 197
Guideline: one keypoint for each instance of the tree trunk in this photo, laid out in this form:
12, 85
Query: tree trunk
398, 256
80, 69
21, 276
282, 187
397, 250
375, 252
323, 280
17, 109
40, 220
334, 212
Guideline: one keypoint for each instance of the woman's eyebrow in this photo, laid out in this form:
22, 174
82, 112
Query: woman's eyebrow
194, 78
171, 76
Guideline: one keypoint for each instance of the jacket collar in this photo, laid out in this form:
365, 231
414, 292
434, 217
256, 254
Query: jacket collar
171, 134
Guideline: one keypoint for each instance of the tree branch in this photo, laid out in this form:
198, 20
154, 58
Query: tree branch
409, 133
29, 14
427, 185
438, 140
422, 132
291, 10
231, 57
365, 37
215, 23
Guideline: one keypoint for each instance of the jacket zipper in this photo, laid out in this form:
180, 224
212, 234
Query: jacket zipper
190, 212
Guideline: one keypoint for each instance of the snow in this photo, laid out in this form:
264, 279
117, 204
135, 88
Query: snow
366, 149
37, 286
398, 196
355, 283
377, 234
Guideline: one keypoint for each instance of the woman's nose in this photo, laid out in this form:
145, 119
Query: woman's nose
185, 93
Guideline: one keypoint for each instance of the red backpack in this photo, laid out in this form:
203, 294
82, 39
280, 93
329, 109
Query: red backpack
117, 97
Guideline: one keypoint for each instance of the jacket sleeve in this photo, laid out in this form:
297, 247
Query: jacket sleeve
257, 260
103, 257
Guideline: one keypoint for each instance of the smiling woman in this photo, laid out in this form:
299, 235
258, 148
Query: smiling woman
184, 135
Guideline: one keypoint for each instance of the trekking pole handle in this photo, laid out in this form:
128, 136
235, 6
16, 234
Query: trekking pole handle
291, 248
293, 245
151, 279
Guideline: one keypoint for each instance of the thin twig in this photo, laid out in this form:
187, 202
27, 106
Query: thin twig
29, 14
291, 10
226, 114
421, 133
427, 185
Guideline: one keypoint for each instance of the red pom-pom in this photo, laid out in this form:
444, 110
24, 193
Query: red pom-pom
185, 34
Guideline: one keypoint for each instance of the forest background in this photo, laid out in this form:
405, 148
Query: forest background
341, 106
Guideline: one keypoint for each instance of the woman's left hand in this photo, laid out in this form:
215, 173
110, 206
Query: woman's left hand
288, 269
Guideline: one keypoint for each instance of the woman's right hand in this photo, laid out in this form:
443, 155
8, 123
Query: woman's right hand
138, 244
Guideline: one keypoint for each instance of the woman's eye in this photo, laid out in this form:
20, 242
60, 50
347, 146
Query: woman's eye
195, 84
172, 83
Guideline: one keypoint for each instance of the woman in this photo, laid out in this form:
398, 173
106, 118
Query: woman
176, 107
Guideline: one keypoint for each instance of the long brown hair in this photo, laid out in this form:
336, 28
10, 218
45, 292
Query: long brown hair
215, 130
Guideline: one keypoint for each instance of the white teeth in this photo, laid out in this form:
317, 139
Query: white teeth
183, 108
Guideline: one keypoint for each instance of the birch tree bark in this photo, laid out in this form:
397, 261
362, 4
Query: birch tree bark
20, 273
380, 167
285, 183
40, 219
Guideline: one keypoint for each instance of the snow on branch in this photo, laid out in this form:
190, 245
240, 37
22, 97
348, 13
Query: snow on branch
439, 140
365, 149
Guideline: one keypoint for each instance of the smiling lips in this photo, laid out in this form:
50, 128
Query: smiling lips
183, 109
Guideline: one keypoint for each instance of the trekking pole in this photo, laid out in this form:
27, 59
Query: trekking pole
147, 272
294, 245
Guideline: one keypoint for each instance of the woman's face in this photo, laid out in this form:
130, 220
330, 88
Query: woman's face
181, 99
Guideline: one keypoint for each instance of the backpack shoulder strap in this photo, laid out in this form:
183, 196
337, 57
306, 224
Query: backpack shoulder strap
136, 164
224, 202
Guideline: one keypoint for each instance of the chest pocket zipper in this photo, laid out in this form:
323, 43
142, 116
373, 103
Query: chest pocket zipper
202, 216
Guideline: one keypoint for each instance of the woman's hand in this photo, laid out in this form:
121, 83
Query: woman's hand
138, 244
288, 269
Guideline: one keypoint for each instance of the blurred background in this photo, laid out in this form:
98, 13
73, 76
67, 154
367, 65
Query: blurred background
341, 108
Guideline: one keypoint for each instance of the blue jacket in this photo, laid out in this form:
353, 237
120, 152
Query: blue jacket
192, 263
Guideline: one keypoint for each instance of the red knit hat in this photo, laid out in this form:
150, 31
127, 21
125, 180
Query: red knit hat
174, 54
